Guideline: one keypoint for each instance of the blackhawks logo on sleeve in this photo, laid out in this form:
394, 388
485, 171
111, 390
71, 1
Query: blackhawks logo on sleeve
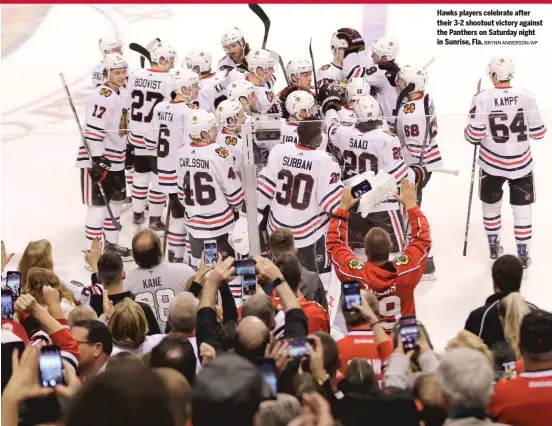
356, 264
325, 67
123, 124
223, 152
390, 133
409, 108
402, 260
231, 140
104, 91
270, 96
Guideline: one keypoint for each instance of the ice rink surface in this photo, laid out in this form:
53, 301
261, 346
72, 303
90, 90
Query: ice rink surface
40, 186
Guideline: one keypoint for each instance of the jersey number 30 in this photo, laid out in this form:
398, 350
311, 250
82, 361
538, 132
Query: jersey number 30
296, 189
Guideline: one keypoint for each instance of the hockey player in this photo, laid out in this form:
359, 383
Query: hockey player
208, 186
367, 147
381, 74
235, 47
417, 130
344, 42
261, 65
147, 88
107, 110
299, 72
213, 84
107, 44
244, 92
501, 121
301, 186
231, 116
166, 135
300, 105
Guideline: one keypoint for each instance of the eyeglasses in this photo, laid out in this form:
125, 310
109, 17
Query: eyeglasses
87, 342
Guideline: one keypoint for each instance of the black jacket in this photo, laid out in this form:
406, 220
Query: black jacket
485, 323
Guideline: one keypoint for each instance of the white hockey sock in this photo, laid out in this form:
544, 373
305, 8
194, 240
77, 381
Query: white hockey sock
110, 232
156, 203
129, 176
176, 238
93, 224
523, 225
492, 221
140, 186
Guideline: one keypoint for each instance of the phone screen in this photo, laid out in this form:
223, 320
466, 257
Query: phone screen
351, 294
13, 282
210, 252
249, 285
360, 189
268, 370
51, 366
7, 304
299, 347
409, 332
245, 267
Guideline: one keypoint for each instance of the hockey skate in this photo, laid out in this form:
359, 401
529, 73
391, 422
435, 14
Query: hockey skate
138, 219
124, 252
155, 224
127, 204
524, 255
495, 249
429, 273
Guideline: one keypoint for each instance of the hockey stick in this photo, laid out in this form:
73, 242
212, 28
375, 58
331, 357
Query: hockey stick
116, 224
257, 10
167, 220
143, 51
313, 73
448, 171
472, 184
426, 66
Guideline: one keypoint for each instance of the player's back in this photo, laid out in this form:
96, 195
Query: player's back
158, 286
98, 76
505, 118
147, 88
303, 187
213, 87
289, 132
209, 188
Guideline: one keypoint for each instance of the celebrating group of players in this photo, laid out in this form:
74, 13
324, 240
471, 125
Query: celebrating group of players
175, 133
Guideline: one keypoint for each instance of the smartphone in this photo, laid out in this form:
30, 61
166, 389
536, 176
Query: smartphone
7, 304
268, 370
299, 347
13, 282
351, 294
409, 332
245, 267
360, 189
249, 285
50, 366
209, 252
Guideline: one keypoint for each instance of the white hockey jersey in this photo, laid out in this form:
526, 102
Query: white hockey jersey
165, 136
147, 88
411, 129
158, 286
356, 65
347, 116
289, 134
302, 187
266, 98
329, 71
503, 119
209, 189
213, 86
234, 144
378, 149
105, 127
97, 75
226, 62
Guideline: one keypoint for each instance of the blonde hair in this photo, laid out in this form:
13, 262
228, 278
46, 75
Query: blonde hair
37, 278
128, 324
466, 339
37, 254
81, 313
512, 309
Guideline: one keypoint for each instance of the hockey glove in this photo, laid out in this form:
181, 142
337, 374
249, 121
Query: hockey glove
100, 169
353, 39
470, 139
391, 70
329, 97
420, 173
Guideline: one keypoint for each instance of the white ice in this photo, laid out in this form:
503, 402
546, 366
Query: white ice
40, 186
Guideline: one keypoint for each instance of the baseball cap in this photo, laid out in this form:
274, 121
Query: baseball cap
536, 332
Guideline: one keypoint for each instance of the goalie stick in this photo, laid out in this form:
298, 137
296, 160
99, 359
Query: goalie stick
116, 224
472, 184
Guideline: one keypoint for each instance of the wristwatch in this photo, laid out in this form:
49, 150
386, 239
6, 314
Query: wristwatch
277, 282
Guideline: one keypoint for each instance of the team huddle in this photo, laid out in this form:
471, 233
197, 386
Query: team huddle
173, 135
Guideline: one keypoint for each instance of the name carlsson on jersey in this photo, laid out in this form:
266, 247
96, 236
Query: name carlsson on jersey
198, 163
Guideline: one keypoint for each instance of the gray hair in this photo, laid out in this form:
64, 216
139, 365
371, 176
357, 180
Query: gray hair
278, 413
81, 313
183, 312
465, 377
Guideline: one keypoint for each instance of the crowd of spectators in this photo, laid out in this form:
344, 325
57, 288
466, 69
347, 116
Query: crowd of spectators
271, 361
